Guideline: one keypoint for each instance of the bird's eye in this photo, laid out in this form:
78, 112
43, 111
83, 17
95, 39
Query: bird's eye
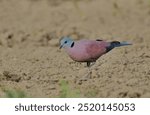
65, 42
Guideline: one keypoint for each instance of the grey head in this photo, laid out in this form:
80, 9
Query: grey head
66, 42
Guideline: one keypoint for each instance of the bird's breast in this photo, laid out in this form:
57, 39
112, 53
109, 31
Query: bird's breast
77, 54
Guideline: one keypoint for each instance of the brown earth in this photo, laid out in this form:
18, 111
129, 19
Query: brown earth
30, 59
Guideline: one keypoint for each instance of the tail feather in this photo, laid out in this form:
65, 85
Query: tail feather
117, 44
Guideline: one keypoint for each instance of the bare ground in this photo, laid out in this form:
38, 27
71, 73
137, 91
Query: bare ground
30, 59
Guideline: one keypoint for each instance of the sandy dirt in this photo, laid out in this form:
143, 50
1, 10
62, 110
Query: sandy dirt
30, 59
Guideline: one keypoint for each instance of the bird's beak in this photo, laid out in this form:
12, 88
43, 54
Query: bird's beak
60, 46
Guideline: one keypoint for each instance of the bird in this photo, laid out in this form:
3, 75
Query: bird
88, 51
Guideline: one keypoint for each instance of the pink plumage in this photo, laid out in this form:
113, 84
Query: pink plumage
87, 50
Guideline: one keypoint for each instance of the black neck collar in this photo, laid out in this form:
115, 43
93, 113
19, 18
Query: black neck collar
72, 44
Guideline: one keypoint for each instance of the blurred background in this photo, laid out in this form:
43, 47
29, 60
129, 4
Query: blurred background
31, 64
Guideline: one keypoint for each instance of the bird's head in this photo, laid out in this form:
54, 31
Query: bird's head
66, 42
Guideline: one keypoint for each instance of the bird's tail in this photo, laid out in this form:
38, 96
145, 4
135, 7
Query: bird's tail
118, 44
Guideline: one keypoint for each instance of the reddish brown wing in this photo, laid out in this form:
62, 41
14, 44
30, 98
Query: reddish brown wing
95, 49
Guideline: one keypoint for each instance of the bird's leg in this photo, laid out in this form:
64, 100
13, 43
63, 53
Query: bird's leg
88, 64
92, 64
89, 70
89, 67
88, 73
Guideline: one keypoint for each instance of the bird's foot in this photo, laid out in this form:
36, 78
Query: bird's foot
90, 64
